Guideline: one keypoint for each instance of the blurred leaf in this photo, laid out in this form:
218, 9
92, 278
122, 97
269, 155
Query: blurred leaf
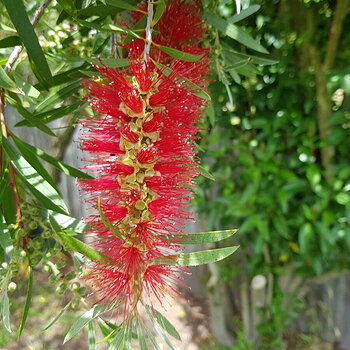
53, 114
161, 6
82, 321
210, 111
27, 302
34, 162
122, 4
234, 32
122, 340
6, 313
7, 83
244, 13
40, 188
68, 6
19, 18
10, 41
196, 258
305, 237
111, 62
165, 324
30, 117
196, 90
205, 173
201, 237
57, 317
178, 54
57, 96
91, 336
71, 243
66, 169
25, 86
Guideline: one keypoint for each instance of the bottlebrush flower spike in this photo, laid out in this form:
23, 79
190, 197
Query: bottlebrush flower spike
142, 146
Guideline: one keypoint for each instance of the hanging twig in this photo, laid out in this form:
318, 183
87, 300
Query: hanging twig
149, 28
18, 49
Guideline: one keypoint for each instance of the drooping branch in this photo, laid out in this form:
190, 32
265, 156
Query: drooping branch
18, 49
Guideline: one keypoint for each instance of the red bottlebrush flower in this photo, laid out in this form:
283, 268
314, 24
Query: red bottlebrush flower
142, 146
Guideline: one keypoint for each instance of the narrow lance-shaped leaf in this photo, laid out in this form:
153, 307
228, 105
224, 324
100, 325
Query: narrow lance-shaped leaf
197, 258
6, 313
234, 32
19, 18
71, 243
57, 317
201, 237
82, 321
39, 187
91, 336
244, 13
7, 83
29, 117
27, 302
68, 170
179, 54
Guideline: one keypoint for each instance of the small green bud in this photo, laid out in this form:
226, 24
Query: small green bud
4, 265
45, 268
33, 225
75, 303
23, 253
61, 288
75, 286
81, 291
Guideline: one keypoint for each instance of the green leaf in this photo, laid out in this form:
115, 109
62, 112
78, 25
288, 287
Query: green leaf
25, 86
122, 4
27, 302
34, 162
5, 239
71, 243
30, 117
68, 223
244, 13
110, 62
198, 91
10, 41
7, 83
106, 222
19, 18
52, 114
116, 28
179, 54
201, 237
166, 325
66, 169
196, 258
210, 111
82, 321
234, 32
161, 6
122, 340
40, 188
158, 329
57, 96
57, 317
6, 313
68, 6
205, 173
91, 336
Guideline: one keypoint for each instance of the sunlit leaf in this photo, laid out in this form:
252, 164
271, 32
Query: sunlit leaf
7, 83
57, 317
201, 237
233, 32
40, 188
91, 336
10, 41
244, 13
19, 18
197, 258
27, 302
6, 313
179, 54
82, 321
